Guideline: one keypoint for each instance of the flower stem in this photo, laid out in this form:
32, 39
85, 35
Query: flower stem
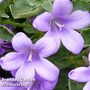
15, 23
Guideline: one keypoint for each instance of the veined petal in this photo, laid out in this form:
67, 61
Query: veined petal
54, 33
46, 70
42, 84
42, 22
62, 8
21, 42
81, 74
87, 86
46, 46
72, 40
78, 19
47, 85
26, 72
12, 60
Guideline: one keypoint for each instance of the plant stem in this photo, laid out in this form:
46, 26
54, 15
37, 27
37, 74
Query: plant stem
15, 23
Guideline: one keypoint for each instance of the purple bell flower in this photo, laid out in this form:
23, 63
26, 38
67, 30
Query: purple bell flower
28, 61
61, 24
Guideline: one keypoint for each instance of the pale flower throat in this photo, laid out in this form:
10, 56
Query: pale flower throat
56, 24
30, 56
60, 26
33, 55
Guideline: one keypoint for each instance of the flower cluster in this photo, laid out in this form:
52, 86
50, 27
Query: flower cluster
28, 59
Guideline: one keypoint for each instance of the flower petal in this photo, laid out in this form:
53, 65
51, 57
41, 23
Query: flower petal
62, 8
42, 84
46, 69
53, 33
87, 86
46, 46
21, 42
12, 88
42, 22
12, 60
8, 88
72, 40
14, 72
26, 72
2, 50
47, 85
81, 74
4, 86
78, 19
89, 57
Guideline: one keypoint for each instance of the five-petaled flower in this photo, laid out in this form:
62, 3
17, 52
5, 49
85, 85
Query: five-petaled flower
28, 61
62, 24
81, 74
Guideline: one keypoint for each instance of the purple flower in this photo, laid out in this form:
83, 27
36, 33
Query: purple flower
16, 85
29, 61
81, 74
61, 24
4, 45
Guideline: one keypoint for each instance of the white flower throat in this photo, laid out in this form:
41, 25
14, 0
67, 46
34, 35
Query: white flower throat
60, 26
33, 55
30, 56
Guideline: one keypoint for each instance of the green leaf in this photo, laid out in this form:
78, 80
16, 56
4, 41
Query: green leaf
83, 0
5, 33
75, 85
33, 33
82, 5
3, 14
64, 59
86, 36
3, 7
30, 30
63, 80
47, 6
27, 8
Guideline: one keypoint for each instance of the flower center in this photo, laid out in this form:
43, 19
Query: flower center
30, 56
33, 55
58, 25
